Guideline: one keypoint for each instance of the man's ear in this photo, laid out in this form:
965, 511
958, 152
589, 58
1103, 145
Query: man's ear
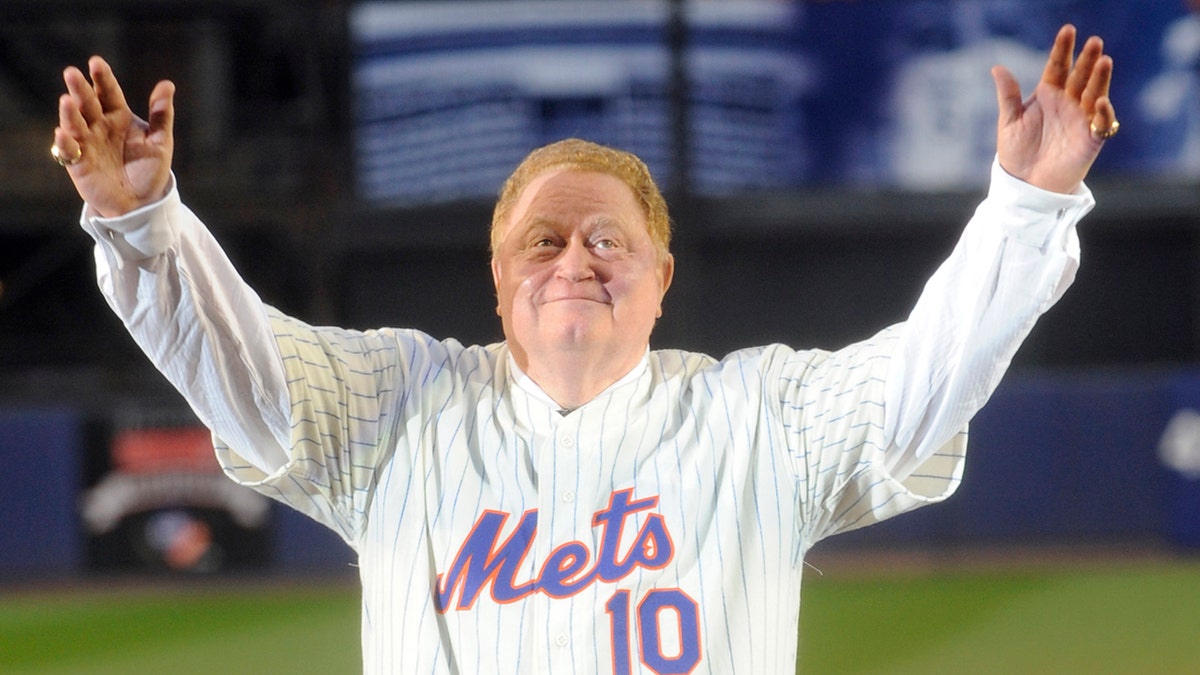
666, 273
496, 282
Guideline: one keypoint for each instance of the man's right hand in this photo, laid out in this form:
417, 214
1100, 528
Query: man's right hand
124, 162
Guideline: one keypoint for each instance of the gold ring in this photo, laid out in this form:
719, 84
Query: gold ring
62, 159
1107, 133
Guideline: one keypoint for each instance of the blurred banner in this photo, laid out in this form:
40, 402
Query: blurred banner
889, 93
161, 503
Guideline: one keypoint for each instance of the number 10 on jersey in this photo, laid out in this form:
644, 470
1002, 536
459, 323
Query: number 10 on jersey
659, 611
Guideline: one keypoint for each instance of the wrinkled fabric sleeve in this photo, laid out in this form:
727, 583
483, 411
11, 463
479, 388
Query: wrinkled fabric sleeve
300, 413
880, 427
1015, 259
166, 278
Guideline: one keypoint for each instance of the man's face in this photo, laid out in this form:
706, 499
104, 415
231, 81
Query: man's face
576, 269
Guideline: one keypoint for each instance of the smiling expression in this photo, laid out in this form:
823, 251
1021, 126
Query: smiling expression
577, 271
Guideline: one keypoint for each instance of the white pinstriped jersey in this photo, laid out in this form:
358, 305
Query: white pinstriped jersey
661, 527
429, 458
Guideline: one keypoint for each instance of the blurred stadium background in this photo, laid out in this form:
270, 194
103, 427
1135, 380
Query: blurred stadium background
820, 158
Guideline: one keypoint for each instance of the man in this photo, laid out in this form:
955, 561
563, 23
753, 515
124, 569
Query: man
569, 501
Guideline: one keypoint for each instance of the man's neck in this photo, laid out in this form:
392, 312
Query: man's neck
571, 381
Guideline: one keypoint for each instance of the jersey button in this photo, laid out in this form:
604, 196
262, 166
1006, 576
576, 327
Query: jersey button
568, 496
567, 441
560, 640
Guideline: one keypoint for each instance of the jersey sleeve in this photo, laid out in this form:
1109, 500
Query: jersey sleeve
1015, 259
344, 391
201, 325
880, 427
298, 413
831, 407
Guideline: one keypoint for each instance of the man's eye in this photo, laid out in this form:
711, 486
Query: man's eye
543, 242
606, 244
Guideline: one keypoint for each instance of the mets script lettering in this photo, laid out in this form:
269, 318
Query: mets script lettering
486, 562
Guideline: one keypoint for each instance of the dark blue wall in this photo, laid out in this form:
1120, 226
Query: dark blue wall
39, 527
1060, 459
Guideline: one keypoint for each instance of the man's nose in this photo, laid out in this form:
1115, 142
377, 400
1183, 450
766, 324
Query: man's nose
576, 262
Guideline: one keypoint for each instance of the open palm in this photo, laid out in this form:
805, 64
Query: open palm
124, 161
1051, 139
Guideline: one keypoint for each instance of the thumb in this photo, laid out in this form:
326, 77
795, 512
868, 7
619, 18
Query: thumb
1008, 95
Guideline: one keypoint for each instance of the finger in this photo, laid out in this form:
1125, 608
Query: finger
66, 144
162, 111
85, 96
1008, 95
1098, 84
1081, 74
69, 117
1058, 64
108, 90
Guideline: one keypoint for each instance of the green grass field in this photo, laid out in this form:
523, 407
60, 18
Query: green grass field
1114, 620
1104, 618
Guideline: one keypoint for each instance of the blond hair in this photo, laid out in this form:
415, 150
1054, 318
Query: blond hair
581, 155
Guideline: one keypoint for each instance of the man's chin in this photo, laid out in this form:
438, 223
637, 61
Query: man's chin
576, 335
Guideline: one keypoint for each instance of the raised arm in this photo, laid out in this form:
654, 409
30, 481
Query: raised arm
1015, 259
189, 311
